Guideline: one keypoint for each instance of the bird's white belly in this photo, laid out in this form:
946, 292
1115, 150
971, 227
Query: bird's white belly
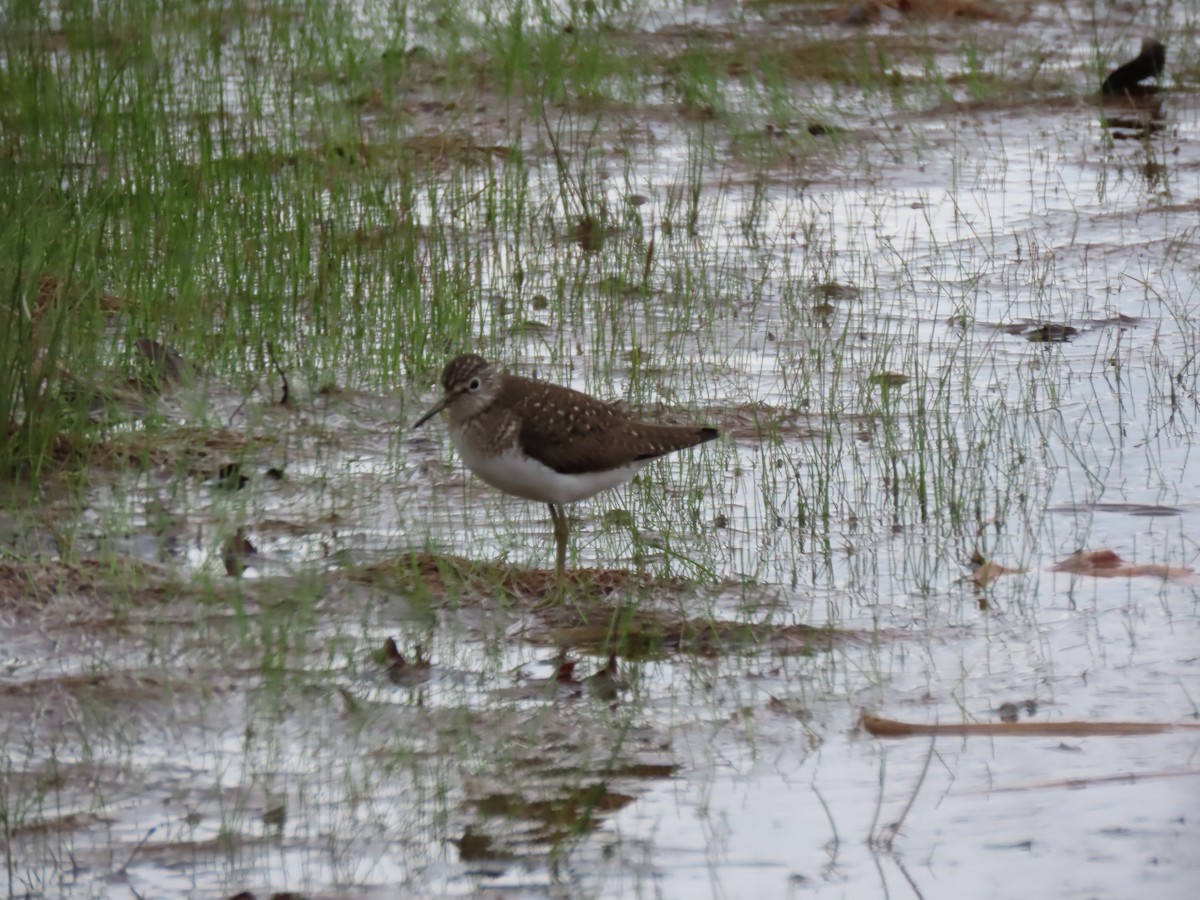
519, 475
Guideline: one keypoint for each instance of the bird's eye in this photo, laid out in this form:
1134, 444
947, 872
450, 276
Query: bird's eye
474, 385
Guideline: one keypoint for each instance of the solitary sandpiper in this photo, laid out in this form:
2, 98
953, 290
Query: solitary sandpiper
1149, 63
546, 442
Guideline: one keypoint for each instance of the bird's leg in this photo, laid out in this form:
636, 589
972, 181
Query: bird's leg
558, 515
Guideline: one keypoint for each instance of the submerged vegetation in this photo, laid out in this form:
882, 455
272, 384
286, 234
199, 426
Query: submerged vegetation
937, 291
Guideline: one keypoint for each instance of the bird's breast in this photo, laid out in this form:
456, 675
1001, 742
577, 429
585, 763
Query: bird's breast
522, 476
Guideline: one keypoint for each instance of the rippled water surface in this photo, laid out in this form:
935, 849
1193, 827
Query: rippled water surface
948, 330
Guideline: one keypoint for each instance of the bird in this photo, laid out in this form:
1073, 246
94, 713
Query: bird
546, 442
1149, 63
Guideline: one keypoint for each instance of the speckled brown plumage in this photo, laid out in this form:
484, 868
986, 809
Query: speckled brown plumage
565, 429
546, 442
572, 432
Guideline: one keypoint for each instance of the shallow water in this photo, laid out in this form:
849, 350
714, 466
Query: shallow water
150, 743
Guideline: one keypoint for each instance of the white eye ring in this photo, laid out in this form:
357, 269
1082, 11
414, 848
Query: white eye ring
474, 385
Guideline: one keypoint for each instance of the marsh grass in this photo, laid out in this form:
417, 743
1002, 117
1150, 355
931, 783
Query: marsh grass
172, 215
730, 224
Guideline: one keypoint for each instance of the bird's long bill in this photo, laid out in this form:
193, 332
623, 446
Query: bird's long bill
433, 411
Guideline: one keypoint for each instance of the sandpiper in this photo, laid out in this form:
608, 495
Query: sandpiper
547, 442
1149, 63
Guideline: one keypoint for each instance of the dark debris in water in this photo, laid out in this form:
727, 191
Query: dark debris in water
821, 129
889, 379
230, 477
589, 233
1057, 332
1128, 509
1010, 711
237, 553
789, 708
402, 671
477, 846
568, 811
833, 291
1048, 333
1137, 120
605, 684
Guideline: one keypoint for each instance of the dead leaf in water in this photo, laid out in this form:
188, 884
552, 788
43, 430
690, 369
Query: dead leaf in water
1085, 561
1096, 563
1107, 564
